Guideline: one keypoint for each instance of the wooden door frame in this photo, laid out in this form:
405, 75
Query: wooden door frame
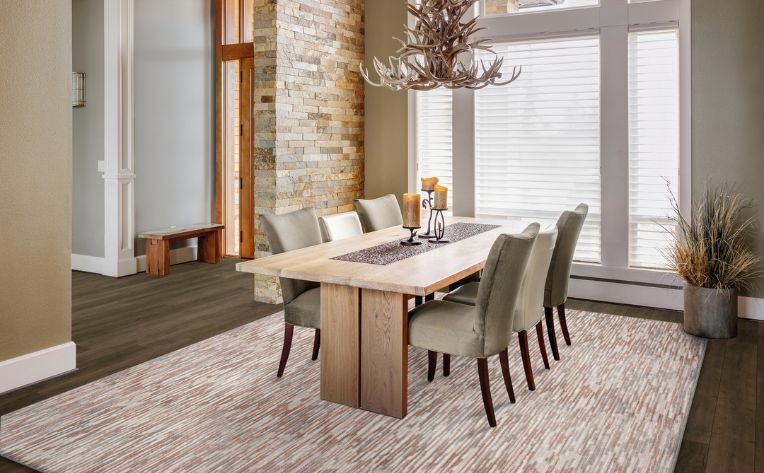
223, 53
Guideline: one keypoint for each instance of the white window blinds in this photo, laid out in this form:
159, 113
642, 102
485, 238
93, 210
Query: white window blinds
434, 136
653, 143
538, 140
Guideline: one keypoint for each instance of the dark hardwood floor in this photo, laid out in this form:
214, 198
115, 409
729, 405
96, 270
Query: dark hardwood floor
119, 323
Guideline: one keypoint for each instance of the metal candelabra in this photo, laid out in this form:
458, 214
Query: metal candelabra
440, 227
411, 241
427, 204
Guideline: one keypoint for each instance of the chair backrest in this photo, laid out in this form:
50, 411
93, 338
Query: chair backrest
380, 213
340, 226
289, 232
500, 286
569, 227
530, 305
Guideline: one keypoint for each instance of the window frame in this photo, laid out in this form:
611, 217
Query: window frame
612, 20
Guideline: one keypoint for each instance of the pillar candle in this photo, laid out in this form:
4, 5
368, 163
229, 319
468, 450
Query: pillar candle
411, 206
429, 183
441, 197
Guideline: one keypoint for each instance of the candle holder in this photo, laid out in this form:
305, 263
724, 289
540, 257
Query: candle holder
411, 241
439, 229
427, 204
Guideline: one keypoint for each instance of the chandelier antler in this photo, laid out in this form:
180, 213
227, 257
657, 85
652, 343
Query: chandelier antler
438, 52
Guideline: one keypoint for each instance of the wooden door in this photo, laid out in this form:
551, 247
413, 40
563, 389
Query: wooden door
246, 161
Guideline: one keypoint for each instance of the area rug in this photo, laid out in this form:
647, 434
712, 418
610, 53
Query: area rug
617, 401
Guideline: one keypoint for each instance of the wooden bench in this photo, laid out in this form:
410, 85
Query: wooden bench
158, 245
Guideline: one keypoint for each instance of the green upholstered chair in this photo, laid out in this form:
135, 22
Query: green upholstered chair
528, 312
377, 214
302, 299
569, 226
482, 330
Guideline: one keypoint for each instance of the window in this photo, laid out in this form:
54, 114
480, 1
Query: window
653, 143
503, 7
434, 137
600, 115
538, 140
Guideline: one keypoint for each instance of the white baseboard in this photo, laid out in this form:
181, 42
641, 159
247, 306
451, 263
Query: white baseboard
88, 264
38, 366
650, 296
751, 308
624, 293
177, 256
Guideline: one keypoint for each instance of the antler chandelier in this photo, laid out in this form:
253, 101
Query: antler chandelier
438, 52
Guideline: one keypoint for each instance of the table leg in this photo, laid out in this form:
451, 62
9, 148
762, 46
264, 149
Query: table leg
158, 257
209, 248
384, 352
340, 344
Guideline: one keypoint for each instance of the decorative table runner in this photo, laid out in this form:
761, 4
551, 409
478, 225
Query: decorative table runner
393, 251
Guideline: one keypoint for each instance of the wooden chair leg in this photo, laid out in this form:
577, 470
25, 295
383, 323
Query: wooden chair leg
504, 358
432, 360
563, 323
316, 344
288, 332
550, 331
485, 390
525, 354
446, 364
542, 343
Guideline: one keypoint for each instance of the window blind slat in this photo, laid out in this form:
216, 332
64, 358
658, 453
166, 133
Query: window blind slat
538, 140
435, 137
653, 144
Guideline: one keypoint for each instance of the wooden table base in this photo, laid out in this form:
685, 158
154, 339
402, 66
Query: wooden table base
364, 349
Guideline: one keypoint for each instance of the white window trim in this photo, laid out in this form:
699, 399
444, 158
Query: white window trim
613, 20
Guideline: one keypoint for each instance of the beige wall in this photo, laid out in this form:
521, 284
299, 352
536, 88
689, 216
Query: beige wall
35, 175
386, 111
728, 102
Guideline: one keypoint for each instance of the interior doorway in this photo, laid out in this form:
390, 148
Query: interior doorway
235, 177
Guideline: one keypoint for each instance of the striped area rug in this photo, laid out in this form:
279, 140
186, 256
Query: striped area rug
617, 401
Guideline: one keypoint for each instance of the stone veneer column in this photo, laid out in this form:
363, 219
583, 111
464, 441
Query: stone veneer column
315, 157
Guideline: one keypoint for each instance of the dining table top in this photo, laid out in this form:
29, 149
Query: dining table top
418, 275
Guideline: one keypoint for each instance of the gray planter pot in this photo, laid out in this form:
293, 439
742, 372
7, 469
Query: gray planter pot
710, 313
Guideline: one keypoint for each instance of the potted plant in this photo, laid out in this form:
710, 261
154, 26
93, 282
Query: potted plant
711, 255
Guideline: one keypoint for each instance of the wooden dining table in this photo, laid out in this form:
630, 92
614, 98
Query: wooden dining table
364, 307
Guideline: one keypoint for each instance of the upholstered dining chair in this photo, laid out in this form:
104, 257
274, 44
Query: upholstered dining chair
302, 299
377, 214
569, 226
482, 330
340, 226
528, 312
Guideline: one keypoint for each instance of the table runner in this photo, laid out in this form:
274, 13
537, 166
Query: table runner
393, 251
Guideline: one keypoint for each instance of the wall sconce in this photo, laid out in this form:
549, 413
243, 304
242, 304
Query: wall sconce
78, 89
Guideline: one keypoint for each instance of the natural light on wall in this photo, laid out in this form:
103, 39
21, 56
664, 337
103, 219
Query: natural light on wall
653, 143
537, 141
434, 137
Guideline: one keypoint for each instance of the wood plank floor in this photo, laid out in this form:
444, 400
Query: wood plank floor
118, 323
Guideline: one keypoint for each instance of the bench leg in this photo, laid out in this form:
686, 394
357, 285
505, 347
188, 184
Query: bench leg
158, 257
209, 248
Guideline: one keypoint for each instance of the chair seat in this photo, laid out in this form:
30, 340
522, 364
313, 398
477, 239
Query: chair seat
445, 327
466, 294
305, 309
